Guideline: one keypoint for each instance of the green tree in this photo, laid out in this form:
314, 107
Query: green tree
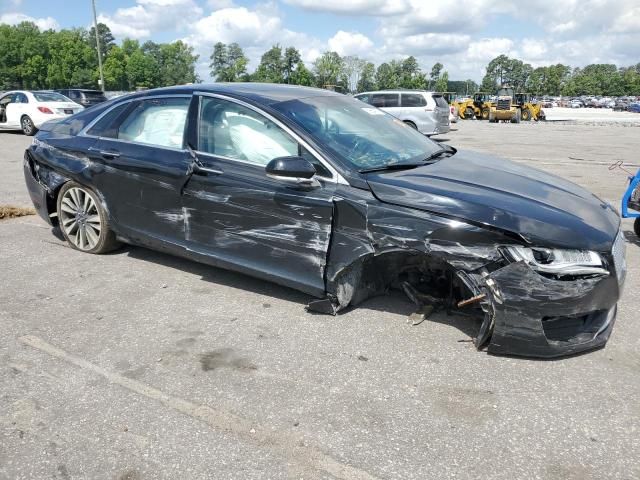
435, 74
328, 69
72, 62
290, 62
115, 70
177, 64
387, 75
302, 76
410, 74
367, 80
107, 40
503, 70
228, 63
271, 67
142, 70
442, 84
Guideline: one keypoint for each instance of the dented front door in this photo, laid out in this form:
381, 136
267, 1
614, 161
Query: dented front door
243, 217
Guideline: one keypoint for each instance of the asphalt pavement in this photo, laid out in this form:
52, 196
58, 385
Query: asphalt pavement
139, 365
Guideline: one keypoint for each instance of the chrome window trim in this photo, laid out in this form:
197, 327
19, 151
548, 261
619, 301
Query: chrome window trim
335, 175
83, 132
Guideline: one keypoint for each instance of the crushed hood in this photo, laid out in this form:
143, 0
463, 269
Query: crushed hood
543, 208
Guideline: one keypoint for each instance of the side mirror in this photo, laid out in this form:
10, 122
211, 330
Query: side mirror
295, 170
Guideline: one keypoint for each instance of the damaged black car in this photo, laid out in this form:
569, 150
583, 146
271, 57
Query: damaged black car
325, 194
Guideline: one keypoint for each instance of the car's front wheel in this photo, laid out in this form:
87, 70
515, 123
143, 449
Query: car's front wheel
83, 221
28, 128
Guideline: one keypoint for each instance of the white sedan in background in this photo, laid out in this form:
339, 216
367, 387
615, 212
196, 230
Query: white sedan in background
27, 111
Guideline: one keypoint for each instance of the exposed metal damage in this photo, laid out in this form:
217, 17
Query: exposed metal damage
451, 266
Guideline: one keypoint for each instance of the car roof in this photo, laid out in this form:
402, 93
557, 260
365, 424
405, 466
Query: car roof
262, 93
400, 90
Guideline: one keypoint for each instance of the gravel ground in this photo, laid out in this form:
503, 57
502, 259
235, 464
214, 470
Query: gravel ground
138, 365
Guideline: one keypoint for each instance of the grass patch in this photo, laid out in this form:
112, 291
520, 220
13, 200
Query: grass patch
9, 211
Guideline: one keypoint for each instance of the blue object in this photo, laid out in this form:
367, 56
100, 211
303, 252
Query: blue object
629, 200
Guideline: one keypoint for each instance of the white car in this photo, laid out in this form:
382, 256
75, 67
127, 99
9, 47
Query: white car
427, 112
27, 111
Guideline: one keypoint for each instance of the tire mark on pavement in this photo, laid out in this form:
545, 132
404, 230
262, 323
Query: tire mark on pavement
285, 444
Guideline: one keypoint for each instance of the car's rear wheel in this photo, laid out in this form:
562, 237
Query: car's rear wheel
485, 113
636, 226
526, 114
28, 128
469, 114
411, 124
83, 221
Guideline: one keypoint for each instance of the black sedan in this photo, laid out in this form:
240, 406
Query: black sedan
322, 193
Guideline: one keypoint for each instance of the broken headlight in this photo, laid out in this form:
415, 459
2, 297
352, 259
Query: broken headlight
558, 262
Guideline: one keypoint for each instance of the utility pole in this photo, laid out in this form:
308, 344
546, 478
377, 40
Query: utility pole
95, 27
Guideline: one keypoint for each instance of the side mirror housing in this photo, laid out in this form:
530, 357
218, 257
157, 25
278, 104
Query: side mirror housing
290, 168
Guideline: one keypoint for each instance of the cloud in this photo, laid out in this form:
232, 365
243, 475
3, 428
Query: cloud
149, 17
350, 43
42, 23
353, 7
255, 30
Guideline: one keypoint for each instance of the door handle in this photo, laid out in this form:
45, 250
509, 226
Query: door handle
106, 153
198, 170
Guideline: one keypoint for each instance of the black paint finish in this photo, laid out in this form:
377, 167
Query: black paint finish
439, 227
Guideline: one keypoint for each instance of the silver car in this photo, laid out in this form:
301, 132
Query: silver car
427, 112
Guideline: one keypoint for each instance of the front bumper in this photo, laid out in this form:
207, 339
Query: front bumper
541, 317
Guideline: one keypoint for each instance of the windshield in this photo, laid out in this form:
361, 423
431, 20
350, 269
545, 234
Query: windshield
50, 97
360, 135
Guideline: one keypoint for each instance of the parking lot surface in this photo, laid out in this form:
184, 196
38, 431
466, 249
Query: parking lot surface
138, 365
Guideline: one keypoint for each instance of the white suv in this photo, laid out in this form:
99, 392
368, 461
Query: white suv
427, 112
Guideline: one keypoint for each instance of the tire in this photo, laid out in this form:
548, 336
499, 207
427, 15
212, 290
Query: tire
28, 128
485, 113
469, 114
526, 115
411, 124
636, 226
83, 221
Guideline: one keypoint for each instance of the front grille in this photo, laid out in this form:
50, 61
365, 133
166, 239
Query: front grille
503, 104
618, 252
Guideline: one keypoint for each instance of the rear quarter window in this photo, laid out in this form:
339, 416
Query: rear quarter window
440, 101
107, 126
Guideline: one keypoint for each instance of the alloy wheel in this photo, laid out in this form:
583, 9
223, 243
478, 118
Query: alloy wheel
80, 219
27, 125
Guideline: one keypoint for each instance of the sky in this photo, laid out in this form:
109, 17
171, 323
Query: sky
464, 35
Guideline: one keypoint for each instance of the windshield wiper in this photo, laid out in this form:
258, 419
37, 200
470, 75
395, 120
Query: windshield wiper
392, 166
446, 150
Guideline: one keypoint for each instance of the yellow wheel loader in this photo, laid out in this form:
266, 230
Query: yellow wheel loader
530, 110
476, 107
505, 108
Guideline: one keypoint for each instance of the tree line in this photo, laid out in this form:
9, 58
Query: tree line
35, 59
559, 79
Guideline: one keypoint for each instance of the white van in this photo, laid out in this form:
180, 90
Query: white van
427, 112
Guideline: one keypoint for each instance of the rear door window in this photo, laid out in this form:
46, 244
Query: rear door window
413, 100
158, 122
385, 100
